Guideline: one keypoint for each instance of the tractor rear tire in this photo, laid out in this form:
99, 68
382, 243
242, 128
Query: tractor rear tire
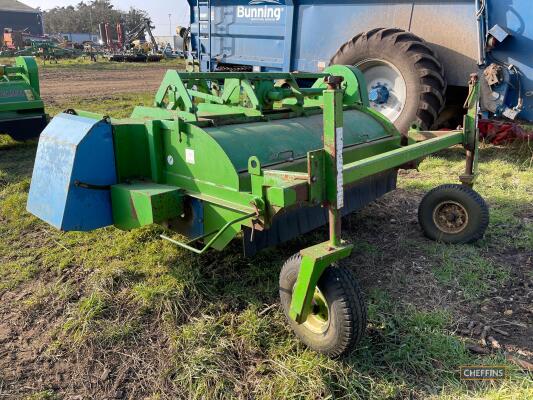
453, 214
409, 57
338, 319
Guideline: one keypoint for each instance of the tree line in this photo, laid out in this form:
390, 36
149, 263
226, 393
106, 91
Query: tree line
84, 17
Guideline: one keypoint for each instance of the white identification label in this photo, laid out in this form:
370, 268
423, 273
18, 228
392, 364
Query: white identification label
340, 163
189, 156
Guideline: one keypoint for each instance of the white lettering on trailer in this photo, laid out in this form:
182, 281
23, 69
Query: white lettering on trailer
340, 162
261, 13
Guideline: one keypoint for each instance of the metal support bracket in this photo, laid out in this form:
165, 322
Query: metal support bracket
315, 260
326, 165
218, 233
471, 133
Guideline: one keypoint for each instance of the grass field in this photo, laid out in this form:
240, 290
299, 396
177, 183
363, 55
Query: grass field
112, 314
87, 64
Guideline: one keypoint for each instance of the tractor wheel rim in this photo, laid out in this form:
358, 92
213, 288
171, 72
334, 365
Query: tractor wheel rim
383, 73
318, 319
450, 217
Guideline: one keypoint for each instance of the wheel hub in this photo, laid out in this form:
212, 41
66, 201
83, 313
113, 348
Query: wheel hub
450, 217
387, 89
318, 319
379, 94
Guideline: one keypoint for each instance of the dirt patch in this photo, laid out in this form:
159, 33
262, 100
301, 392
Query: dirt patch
58, 84
506, 310
29, 364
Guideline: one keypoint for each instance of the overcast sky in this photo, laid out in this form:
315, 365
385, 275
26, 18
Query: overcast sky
158, 10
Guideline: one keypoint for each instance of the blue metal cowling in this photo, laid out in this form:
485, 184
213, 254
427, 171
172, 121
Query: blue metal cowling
74, 165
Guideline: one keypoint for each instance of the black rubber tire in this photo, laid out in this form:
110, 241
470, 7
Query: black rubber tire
346, 309
416, 61
476, 209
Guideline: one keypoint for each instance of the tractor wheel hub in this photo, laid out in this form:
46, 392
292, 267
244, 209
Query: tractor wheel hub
379, 94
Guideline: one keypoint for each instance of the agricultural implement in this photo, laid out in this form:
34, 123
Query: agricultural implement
254, 155
22, 113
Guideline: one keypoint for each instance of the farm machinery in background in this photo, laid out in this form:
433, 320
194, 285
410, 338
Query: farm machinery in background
21, 43
130, 46
415, 55
22, 114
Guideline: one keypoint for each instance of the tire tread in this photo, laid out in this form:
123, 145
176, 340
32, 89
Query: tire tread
484, 218
423, 57
351, 304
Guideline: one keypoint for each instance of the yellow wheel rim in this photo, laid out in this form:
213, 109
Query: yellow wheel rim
318, 319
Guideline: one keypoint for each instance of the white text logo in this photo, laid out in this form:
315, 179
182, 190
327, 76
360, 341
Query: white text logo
264, 13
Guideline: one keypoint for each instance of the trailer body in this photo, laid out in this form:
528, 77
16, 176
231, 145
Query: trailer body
303, 35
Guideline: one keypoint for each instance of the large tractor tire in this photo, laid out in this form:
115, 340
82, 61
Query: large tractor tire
405, 79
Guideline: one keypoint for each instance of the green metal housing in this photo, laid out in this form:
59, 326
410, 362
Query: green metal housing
220, 154
22, 114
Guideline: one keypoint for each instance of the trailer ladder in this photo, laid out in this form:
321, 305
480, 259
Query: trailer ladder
204, 35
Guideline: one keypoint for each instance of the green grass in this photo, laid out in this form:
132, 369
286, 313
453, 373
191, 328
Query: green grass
465, 269
102, 64
212, 322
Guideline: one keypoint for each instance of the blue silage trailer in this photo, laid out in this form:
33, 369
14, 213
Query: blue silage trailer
416, 55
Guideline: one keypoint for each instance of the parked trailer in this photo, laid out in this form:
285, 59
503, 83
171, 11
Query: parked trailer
413, 53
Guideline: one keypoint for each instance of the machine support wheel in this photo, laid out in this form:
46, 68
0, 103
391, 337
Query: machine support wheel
338, 316
405, 79
453, 214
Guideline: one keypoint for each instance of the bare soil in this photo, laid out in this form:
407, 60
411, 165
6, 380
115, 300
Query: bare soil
62, 83
409, 280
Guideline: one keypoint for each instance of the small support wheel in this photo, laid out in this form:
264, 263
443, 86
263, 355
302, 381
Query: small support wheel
338, 317
453, 214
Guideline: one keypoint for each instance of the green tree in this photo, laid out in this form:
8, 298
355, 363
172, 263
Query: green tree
84, 17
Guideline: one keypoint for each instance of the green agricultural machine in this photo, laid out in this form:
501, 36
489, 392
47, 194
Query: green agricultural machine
22, 113
255, 156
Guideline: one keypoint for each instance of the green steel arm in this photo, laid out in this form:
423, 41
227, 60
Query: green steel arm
372, 165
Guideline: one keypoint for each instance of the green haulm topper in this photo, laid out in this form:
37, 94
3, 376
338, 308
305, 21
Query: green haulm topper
255, 156
22, 114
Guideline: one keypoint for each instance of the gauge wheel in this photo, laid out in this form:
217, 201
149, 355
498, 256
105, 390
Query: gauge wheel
337, 320
404, 77
453, 214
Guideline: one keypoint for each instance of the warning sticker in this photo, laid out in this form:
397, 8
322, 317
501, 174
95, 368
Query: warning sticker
189, 156
340, 181
29, 95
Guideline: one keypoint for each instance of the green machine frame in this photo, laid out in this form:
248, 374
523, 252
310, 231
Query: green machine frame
187, 101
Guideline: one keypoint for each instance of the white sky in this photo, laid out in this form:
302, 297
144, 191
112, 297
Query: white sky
157, 9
